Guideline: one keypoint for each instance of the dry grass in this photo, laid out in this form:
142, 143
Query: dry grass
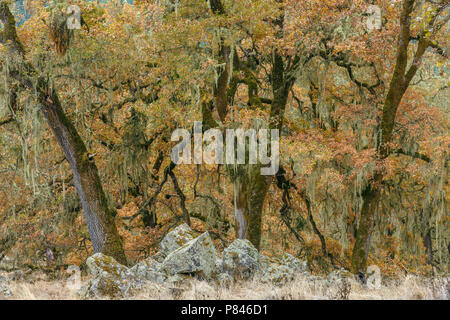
410, 287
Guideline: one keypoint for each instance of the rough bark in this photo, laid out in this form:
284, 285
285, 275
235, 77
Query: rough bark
426, 237
250, 186
370, 196
250, 192
400, 81
99, 217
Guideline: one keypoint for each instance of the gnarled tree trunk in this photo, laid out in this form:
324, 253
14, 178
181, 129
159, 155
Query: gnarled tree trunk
250, 190
371, 195
99, 217
400, 81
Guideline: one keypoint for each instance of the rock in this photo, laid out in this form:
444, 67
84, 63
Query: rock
111, 279
4, 287
373, 279
176, 239
178, 280
7, 264
293, 263
148, 269
225, 280
277, 274
73, 282
176, 292
280, 270
158, 257
100, 265
240, 259
264, 262
157, 277
219, 265
197, 257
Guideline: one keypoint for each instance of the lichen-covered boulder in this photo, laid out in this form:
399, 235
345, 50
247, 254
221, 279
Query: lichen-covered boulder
240, 259
158, 257
7, 264
177, 281
285, 260
111, 279
148, 269
280, 270
374, 276
73, 282
277, 274
291, 262
4, 287
219, 265
175, 239
196, 257
224, 280
264, 262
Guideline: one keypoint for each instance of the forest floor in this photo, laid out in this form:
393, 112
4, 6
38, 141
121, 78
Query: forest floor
407, 287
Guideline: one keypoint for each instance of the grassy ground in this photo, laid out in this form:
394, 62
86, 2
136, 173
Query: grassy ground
409, 287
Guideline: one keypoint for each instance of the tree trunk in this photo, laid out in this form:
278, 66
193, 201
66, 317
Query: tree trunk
370, 197
250, 189
99, 217
400, 81
426, 238
428, 246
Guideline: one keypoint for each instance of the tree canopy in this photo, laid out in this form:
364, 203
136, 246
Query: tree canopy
87, 115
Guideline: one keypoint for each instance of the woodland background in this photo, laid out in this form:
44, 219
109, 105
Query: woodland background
136, 71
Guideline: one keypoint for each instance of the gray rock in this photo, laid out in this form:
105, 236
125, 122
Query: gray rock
158, 257
4, 287
178, 280
7, 264
111, 279
240, 259
219, 265
277, 274
197, 257
293, 263
313, 278
280, 270
175, 239
264, 262
149, 269
225, 280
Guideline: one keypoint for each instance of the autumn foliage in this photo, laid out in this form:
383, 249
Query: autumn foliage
142, 70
